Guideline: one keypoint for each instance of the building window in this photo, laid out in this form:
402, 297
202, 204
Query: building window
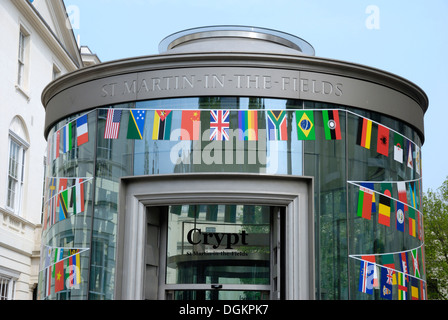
18, 145
22, 79
15, 175
7, 285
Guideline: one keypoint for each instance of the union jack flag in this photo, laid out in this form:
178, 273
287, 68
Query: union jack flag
219, 124
390, 276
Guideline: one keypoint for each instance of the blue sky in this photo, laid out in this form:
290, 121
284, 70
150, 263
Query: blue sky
408, 38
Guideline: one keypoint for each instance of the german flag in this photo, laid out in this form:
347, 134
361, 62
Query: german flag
364, 132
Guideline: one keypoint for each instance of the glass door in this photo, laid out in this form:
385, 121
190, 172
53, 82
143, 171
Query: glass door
221, 252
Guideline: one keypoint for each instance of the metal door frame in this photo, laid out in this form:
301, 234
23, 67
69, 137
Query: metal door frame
139, 192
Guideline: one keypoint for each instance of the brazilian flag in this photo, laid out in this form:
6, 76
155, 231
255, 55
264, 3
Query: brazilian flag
305, 125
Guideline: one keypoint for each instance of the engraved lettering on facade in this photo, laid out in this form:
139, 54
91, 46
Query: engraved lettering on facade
306, 85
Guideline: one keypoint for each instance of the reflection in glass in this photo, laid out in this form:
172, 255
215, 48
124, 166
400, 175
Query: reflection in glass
225, 244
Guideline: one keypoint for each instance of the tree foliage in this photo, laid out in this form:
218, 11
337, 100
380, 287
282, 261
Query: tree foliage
435, 211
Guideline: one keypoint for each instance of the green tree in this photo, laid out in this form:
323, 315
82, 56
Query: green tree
435, 210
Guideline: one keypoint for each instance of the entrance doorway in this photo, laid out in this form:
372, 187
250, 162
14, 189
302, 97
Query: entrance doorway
180, 238
220, 251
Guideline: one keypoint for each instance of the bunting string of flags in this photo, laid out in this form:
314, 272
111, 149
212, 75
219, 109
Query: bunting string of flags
64, 196
61, 268
379, 271
75, 133
402, 198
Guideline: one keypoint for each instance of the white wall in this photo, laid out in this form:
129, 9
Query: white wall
20, 234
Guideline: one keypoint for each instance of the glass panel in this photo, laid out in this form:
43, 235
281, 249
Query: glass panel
225, 244
217, 295
246, 146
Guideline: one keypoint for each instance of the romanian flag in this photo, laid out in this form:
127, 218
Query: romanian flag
190, 125
248, 124
162, 125
332, 125
305, 125
364, 133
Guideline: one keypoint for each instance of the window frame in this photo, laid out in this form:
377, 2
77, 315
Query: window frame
15, 204
23, 58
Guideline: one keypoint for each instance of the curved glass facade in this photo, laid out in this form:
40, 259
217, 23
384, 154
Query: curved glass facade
367, 182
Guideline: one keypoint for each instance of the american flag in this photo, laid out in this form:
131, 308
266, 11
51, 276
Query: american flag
219, 124
112, 124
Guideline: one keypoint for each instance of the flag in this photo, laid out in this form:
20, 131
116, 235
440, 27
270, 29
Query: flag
67, 138
364, 132
402, 286
219, 125
382, 145
276, 123
404, 263
79, 196
82, 130
136, 124
398, 147
385, 204
48, 281
248, 124
162, 125
74, 267
62, 199
387, 276
47, 260
423, 290
414, 288
112, 124
332, 125
58, 255
190, 125
418, 160
413, 193
388, 261
52, 199
410, 162
305, 125
59, 276
366, 275
400, 216
412, 227
414, 255
365, 203
57, 144
420, 225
